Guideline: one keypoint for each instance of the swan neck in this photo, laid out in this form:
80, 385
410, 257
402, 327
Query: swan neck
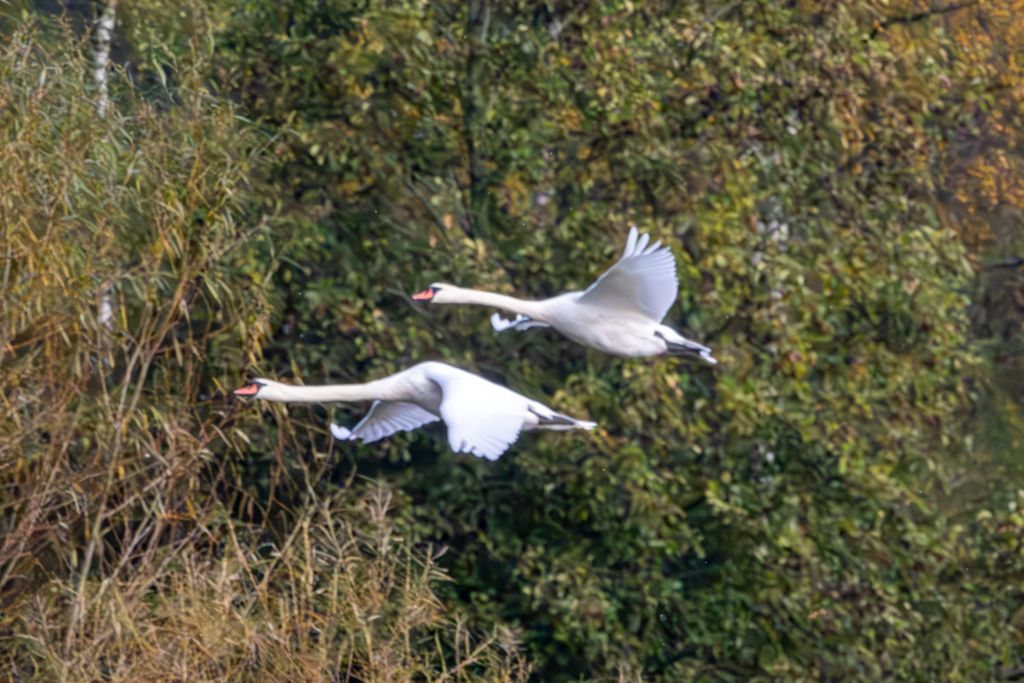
327, 393
506, 303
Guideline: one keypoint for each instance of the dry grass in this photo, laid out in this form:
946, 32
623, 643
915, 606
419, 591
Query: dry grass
131, 546
340, 599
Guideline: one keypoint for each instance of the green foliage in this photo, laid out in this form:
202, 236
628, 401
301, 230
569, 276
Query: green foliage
837, 500
777, 516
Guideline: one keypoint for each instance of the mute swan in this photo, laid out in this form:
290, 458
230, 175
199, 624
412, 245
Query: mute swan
620, 313
482, 417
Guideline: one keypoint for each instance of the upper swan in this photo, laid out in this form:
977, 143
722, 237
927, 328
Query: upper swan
620, 313
482, 417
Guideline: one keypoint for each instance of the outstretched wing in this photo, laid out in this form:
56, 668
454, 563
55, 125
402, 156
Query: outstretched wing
643, 279
482, 418
384, 419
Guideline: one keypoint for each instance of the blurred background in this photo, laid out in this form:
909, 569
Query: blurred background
193, 193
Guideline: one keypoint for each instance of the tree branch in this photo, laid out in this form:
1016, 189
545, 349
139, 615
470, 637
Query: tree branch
922, 15
1015, 262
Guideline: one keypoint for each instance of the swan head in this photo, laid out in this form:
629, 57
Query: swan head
438, 293
258, 388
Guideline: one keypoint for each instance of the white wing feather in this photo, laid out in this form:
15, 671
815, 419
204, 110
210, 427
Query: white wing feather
384, 419
482, 418
644, 279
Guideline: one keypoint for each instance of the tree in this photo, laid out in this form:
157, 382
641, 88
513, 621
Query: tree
774, 517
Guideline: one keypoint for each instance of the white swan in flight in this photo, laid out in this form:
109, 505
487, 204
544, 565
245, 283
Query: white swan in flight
620, 313
482, 417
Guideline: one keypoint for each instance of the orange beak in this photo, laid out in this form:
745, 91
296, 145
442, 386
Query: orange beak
250, 389
426, 295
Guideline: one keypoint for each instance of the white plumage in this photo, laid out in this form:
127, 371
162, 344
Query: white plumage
644, 278
384, 419
482, 418
620, 313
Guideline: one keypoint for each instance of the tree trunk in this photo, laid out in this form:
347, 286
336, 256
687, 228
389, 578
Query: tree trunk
473, 107
102, 38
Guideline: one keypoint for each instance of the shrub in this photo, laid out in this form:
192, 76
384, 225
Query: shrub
131, 545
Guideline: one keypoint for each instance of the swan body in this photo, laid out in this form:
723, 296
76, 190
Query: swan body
483, 418
620, 313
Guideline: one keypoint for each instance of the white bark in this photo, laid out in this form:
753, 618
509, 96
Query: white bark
104, 34
101, 57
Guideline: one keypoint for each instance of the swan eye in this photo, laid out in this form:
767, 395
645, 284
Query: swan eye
250, 389
426, 295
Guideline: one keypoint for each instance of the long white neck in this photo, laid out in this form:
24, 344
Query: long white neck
458, 295
325, 393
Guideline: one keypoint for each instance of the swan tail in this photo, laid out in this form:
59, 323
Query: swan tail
559, 422
678, 345
692, 351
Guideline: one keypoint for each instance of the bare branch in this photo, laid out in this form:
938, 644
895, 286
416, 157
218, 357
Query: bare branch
922, 15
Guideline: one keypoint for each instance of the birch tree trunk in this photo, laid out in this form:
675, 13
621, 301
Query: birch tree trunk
101, 57
103, 36
104, 33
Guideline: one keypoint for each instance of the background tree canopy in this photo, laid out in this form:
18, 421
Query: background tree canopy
842, 185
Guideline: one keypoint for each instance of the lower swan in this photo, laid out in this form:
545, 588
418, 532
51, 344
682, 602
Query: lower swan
482, 417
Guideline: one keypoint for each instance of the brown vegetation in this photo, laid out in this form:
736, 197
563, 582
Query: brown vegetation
130, 550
